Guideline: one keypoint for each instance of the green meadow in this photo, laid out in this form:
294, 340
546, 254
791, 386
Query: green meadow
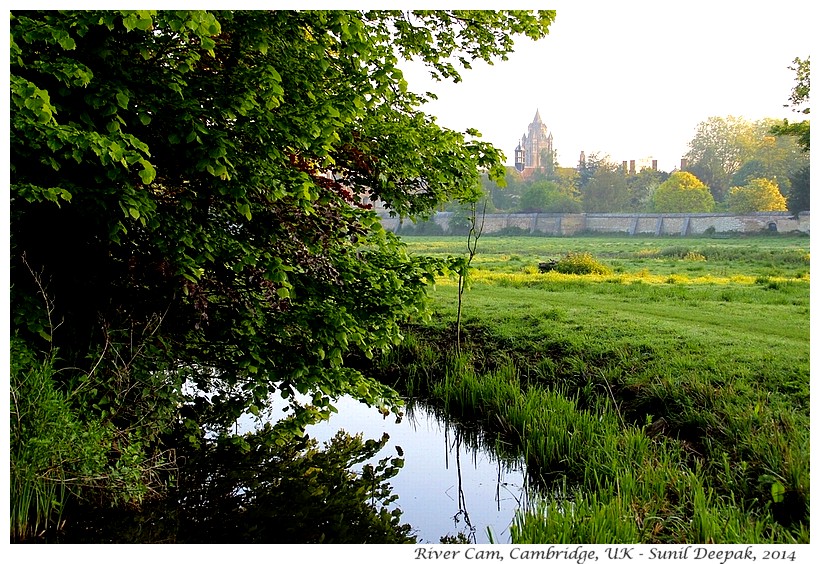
665, 400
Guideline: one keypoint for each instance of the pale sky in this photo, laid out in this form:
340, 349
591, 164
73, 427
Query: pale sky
632, 79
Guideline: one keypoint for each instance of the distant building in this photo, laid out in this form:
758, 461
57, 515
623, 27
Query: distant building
535, 151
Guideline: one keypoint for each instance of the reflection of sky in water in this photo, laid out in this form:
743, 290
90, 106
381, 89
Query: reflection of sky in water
436, 460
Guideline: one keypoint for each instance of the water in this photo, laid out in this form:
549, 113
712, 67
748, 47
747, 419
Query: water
452, 481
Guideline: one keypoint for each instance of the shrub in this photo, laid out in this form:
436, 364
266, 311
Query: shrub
581, 263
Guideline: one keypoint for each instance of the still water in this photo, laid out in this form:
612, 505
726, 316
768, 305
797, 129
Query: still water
452, 481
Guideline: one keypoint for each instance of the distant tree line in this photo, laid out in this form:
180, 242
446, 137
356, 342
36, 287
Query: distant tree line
732, 165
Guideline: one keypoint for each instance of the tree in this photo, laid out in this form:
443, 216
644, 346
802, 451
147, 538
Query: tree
799, 192
719, 149
641, 188
760, 194
187, 184
587, 167
503, 198
776, 157
799, 97
538, 196
799, 196
606, 190
682, 192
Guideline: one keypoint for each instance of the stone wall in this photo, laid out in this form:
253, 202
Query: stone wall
630, 224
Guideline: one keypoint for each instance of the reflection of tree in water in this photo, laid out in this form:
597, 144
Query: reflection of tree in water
260, 491
475, 441
462, 502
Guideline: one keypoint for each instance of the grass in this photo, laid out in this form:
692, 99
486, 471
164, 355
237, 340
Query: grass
657, 404
763, 255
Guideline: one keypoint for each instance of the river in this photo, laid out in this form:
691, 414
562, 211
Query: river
452, 481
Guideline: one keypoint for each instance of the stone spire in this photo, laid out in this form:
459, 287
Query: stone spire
534, 144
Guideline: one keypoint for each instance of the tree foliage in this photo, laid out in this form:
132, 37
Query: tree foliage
538, 196
799, 196
641, 188
798, 100
188, 187
759, 195
606, 190
775, 157
682, 192
718, 150
553, 192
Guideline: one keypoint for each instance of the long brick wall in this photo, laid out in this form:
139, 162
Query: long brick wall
631, 224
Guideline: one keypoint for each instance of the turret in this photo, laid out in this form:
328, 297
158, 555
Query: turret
519, 158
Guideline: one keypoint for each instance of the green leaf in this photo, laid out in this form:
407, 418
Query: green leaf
122, 100
130, 22
148, 173
67, 43
778, 492
134, 212
144, 22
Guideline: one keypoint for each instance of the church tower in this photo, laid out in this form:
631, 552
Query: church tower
535, 150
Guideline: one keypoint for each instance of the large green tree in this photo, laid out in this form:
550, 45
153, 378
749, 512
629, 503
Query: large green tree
642, 188
683, 192
799, 195
718, 150
186, 188
760, 194
776, 157
607, 189
539, 196
799, 100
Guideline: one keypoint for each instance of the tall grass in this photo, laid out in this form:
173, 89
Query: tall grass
40, 419
56, 453
607, 481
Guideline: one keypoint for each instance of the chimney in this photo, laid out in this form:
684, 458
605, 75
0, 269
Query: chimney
624, 165
631, 167
654, 164
684, 163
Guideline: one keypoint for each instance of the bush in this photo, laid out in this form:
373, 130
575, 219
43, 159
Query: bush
581, 263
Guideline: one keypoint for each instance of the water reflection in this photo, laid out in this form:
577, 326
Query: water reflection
456, 481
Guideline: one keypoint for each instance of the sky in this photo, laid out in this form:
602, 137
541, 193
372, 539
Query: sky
631, 80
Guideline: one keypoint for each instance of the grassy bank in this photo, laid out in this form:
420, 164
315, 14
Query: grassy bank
657, 403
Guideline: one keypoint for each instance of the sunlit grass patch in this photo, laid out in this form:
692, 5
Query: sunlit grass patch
531, 277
